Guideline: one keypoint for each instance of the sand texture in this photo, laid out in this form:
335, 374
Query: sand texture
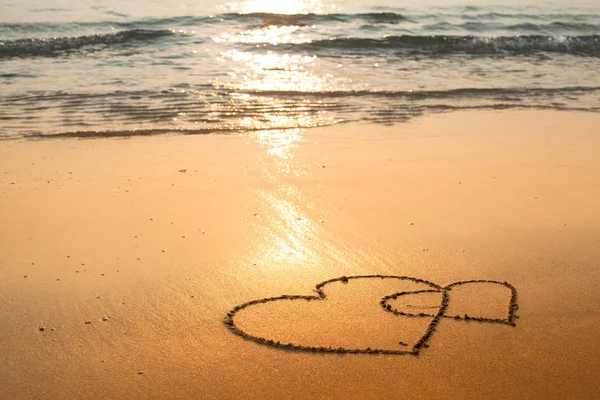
453, 256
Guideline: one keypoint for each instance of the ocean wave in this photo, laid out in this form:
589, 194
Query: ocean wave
207, 109
98, 134
390, 17
190, 99
55, 46
125, 133
541, 16
553, 27
194, 93
13, 75
492, 16
575, 24
12, 29
259, 18
443, 44
309, 18
490, 93
387, 114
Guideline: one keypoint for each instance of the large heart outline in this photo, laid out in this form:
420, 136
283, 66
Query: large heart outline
229, 319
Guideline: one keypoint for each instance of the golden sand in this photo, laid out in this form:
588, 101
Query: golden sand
120, 260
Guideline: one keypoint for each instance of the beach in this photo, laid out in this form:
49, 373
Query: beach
121, 258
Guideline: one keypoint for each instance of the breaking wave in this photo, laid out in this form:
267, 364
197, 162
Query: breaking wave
518, 45
55, 46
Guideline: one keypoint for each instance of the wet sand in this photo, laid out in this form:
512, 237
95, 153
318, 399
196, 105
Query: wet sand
120, 260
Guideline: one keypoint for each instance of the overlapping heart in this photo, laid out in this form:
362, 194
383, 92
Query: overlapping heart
422, 287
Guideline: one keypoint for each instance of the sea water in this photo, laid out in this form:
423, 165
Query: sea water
108, 68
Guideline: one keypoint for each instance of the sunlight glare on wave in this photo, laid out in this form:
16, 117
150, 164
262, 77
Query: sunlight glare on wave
268, 34
277, 6
279, 72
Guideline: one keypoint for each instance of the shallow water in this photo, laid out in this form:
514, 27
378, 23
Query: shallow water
142, 68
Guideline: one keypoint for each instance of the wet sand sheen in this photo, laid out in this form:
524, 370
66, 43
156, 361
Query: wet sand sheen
120, 258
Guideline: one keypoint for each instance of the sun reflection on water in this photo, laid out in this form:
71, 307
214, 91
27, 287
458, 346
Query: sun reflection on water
270, 34
259, 80
290, 233
278, 72
276, 81
277, 6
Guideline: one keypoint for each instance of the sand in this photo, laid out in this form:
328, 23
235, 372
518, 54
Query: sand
120, 259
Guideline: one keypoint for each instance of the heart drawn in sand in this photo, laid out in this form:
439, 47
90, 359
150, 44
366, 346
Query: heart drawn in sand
370, 314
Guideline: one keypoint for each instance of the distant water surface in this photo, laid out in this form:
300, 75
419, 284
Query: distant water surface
121, 68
